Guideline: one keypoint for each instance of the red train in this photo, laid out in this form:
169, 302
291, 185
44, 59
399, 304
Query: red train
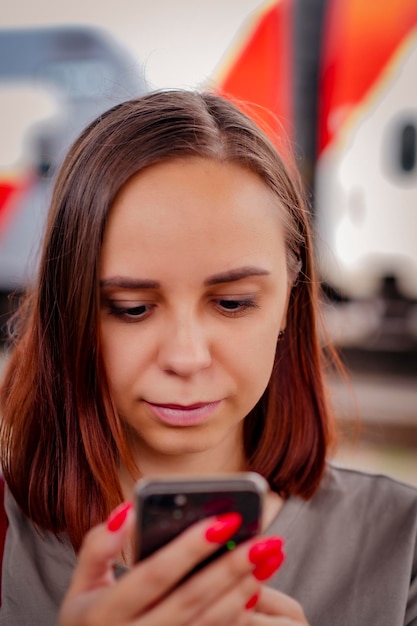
339, 76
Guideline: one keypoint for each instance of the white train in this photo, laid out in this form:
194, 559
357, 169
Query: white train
366, 170
340, 77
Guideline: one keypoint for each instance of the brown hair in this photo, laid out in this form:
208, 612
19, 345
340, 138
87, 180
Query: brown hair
60, 447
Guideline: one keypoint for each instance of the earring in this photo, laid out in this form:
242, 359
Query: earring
281, 335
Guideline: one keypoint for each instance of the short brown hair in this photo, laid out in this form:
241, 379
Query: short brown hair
60, 447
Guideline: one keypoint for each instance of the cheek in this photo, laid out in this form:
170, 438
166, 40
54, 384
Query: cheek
257, 354
117, 360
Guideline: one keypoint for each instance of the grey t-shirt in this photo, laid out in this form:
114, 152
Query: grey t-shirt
351, 554
351, 557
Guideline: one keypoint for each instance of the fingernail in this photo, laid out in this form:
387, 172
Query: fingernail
265, 569
264, 549
224, 527
252, 602
118, 517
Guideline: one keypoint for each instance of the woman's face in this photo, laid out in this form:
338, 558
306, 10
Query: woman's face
194, 289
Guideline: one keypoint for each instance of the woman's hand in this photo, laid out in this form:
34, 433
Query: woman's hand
148, 596
273, 608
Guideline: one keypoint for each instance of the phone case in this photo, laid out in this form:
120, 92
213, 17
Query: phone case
167, 506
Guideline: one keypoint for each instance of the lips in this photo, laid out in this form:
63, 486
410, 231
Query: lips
183, 415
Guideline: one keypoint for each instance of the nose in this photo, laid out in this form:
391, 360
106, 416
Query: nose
184, 348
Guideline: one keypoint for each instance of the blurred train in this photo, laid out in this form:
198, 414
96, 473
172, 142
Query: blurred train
337, 75
84, 72
340, 77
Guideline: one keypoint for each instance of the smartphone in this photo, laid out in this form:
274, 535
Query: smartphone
167, 506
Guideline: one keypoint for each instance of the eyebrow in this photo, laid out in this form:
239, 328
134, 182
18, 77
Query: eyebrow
123, 282
236, 274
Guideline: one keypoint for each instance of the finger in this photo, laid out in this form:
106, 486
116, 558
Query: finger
275, 603
233, 573
159, 573
150, 580
212, 596
230, 607
101, 547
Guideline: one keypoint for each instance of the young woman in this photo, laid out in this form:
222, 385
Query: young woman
174, 329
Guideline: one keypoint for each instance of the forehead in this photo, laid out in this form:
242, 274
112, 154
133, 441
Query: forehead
193, 208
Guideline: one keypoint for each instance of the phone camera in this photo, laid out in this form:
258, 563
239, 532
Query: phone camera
180, 500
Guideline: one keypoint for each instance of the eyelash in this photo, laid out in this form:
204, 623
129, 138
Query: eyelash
128, 313
242, 306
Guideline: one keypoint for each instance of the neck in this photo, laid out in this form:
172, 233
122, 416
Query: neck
204, 463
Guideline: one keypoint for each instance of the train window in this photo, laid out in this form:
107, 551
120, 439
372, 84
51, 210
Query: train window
399, 149
408, 147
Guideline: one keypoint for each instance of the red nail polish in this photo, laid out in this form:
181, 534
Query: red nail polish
267, 568
264, 549
224, 527
118, 517
252, 602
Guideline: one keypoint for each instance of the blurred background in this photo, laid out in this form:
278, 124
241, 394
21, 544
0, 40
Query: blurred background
331, 81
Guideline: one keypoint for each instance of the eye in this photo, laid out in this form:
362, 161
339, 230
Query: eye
235, 306
130, 313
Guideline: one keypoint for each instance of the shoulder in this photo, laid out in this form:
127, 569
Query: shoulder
352, 502
356, 485
356, 536
24, 535
46, 559
37, 567
374, 498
